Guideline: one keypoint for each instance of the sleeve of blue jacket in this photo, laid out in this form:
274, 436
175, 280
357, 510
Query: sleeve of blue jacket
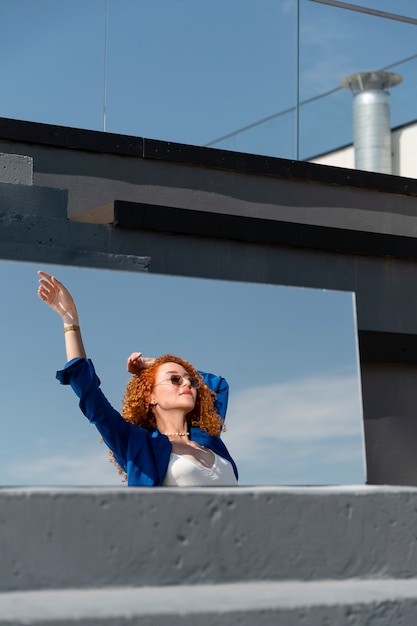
221, 388
81, 375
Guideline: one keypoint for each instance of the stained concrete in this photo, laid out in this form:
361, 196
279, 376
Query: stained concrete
63, 538
242, 556
349, 603
16, 169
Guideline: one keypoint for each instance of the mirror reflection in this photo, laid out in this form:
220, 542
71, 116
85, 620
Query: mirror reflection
289, 355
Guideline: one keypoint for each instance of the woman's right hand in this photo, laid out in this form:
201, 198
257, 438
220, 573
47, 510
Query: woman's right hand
136, 363
53, 292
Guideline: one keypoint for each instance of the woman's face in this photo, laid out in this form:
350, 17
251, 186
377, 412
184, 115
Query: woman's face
168, 395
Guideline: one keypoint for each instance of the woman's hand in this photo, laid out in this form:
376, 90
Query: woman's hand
57, 297
136, 363
60, 300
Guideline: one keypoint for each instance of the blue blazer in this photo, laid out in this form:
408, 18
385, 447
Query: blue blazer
142, 454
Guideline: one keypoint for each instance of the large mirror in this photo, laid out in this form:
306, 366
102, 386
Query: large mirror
289, 355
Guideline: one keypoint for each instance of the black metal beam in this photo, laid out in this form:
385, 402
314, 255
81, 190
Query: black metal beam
163, 219
383, 347
69, 138
18, 131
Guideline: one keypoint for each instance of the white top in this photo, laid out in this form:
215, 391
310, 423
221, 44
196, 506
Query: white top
183, 472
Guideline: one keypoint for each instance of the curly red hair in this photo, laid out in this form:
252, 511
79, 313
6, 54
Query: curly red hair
136, 401
137, 405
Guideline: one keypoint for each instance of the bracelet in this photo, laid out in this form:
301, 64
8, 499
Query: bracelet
72, 327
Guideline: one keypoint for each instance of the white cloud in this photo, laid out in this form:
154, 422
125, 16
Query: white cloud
310, 408
89, 467
302, 431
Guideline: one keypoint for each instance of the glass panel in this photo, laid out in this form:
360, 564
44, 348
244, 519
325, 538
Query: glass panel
177, 70
289, 355
272, 137
220, 74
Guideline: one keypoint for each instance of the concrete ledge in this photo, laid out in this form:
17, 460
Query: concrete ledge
35, 238
63, 538
16, 169
46, 202
351, 602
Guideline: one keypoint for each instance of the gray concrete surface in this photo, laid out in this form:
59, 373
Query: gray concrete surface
30, 200
347, 603
34, 227
16, 169
64, 538
238, 557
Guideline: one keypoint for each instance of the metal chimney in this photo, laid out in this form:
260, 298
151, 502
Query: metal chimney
371, 119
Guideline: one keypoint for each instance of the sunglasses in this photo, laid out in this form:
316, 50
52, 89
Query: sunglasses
177, 380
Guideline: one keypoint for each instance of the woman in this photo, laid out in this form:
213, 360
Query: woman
172, 417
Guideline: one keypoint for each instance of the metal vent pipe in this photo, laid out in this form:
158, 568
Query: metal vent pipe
371, 119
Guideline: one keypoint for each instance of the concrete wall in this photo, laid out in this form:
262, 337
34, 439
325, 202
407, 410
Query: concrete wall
80, 538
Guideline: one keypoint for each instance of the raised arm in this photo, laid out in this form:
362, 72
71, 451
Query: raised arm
53, 292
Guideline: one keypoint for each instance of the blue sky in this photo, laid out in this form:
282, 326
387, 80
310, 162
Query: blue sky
191, 71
